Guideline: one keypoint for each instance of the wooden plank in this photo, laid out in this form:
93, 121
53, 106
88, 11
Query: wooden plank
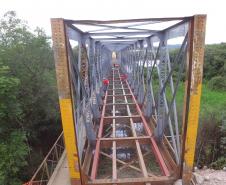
122, 162
117, 117
122, 119
118, 104
114, 165
118, 89
117, 139
139, 153
155, 148
162, 180
123, 143
119, 95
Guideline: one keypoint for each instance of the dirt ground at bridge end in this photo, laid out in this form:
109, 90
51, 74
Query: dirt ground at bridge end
210, 177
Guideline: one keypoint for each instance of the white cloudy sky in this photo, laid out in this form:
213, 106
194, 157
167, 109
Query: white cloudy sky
39, 12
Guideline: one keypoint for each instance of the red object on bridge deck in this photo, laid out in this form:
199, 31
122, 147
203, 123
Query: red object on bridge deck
27, 183
105, 81
124, 76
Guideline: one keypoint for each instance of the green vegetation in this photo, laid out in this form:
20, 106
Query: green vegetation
217, 83
12, 137
212, 131
215, 61
211, 141
28, 99
212, 102
210, 148
215, 66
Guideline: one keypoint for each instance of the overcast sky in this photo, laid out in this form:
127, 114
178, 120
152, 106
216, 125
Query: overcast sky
39, 12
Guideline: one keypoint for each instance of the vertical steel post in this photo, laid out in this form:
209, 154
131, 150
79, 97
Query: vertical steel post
193, 94
65, 98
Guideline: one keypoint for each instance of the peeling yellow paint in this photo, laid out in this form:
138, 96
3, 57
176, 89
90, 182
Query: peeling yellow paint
69, 137
192, 126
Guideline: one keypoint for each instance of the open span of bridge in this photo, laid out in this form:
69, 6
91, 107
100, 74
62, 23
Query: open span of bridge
141, 128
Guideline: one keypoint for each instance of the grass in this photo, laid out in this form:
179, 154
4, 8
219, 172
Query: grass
209, 146
213, 103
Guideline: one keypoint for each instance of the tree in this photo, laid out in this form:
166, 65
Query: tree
215, 61
13, 152
31, 85
30, 59
217, 83
13, 149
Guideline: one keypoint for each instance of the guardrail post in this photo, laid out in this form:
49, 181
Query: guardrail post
65, 98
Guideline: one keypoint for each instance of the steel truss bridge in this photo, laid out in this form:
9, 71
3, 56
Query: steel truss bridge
143, 129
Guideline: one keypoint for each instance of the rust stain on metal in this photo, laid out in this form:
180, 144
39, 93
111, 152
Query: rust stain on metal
64, 91
84, 65
198, 53
193, 89
60, 56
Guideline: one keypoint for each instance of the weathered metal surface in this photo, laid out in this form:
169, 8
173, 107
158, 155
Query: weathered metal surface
127, 20
84, 65
64, 91
193, 90
135, 181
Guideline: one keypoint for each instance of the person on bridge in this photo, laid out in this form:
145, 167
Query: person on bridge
124, 77
116, 65
105, 84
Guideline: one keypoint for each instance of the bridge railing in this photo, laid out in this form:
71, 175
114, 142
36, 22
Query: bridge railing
47, 167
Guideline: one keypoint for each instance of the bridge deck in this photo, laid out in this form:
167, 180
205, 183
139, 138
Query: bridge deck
126, 151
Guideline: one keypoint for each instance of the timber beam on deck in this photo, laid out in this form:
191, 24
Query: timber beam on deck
114, 142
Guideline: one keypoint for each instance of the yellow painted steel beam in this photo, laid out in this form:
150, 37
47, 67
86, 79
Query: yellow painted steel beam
195, 57
65, 98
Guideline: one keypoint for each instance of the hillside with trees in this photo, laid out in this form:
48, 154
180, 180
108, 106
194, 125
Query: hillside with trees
29, 113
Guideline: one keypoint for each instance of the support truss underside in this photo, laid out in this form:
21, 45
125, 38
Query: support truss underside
126, 151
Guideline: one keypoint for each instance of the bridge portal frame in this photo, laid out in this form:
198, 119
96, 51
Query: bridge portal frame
193, 84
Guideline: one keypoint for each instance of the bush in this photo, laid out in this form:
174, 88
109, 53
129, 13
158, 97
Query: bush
207, 141
217, 83
219, 163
